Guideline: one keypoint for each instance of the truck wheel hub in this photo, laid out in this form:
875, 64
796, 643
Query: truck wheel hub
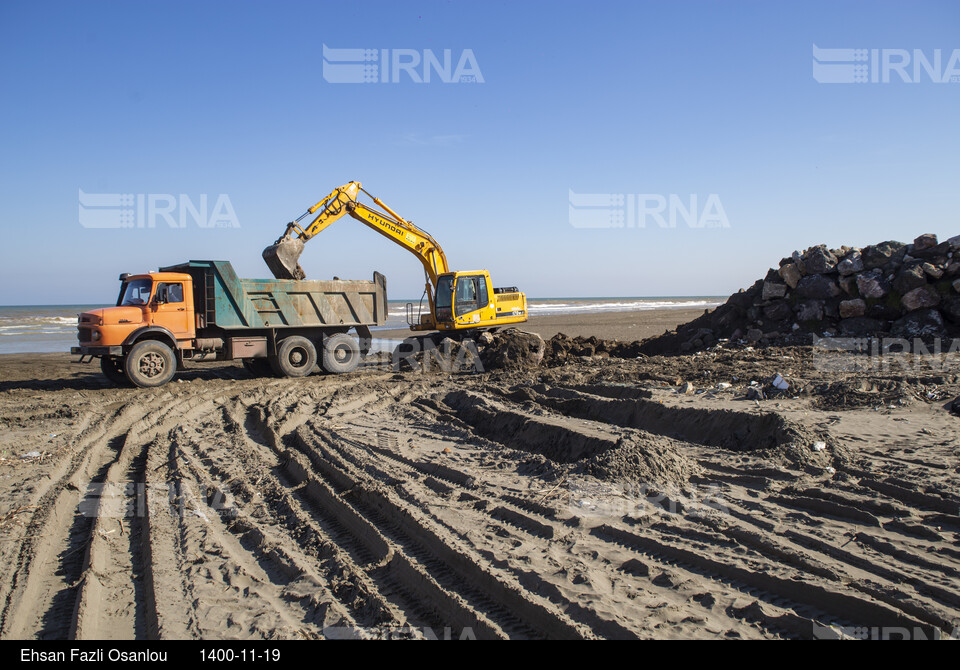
151, 365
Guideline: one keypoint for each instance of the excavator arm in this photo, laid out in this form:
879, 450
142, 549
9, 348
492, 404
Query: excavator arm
477, 303
283, 256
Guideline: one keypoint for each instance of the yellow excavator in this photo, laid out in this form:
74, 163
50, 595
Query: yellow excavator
458, 301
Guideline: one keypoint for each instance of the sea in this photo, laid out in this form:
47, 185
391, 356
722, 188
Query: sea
53, 328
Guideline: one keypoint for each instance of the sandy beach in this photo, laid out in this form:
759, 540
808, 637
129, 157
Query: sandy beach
602, 498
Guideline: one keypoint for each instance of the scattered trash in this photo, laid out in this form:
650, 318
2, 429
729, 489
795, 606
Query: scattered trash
30, 454
780, 383
819, 446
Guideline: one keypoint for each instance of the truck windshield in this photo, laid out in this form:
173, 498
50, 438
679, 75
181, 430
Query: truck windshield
136, 292
444, 292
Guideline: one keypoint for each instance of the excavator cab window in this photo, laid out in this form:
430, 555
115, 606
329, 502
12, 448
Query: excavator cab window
468, 294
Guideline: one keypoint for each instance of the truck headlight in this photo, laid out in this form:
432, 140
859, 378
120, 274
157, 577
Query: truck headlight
96, 335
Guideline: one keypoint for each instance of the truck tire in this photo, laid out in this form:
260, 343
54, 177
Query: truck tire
258, 367
112, 369
296, 357
150, 363
341, 353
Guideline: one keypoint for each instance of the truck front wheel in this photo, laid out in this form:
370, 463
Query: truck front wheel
296, 357
112, 369
341, 353
150, 363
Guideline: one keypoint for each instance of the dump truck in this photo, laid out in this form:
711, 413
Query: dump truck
202, 311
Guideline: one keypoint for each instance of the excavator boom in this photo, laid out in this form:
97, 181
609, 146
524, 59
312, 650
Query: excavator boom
458, 300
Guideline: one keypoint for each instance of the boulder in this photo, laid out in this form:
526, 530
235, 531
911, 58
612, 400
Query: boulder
860, 326
885, 254
872, 284
935, 254
932, 271
852, 264
818, 260
818, 286
925, 241
778, 310
790, 274
772, 290
920, 298
910, 277
810, 310
852, 308
921, 323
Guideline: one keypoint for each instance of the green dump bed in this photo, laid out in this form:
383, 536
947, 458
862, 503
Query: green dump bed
224, 300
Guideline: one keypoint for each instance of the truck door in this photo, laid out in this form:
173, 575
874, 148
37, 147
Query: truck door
170, 310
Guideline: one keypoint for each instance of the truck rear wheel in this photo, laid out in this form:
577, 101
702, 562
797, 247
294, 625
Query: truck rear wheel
296, 357
112, 369
150, 363
341, 353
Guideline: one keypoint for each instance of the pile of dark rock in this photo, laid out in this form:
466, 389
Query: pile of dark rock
890, 289
561, 348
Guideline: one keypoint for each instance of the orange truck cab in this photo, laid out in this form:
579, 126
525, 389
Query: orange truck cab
153, 311
148, 303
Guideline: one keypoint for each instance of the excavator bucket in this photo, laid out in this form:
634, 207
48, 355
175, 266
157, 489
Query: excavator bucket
283, 258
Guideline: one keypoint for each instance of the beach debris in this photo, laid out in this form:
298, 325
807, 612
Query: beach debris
687, 388
30, 455
819, 446
779, 383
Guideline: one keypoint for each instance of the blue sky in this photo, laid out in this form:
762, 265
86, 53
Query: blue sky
682, 98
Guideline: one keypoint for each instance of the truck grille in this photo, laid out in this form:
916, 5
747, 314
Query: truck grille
84, 334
